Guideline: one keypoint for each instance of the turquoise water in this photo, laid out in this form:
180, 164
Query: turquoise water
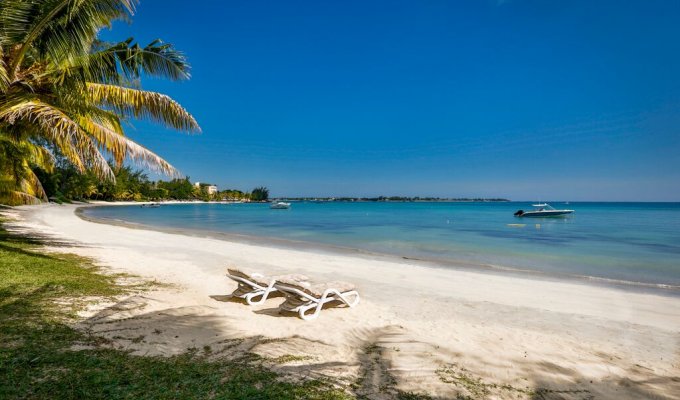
634, 242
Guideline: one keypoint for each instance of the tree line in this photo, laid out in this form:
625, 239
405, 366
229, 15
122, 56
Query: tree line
65, 183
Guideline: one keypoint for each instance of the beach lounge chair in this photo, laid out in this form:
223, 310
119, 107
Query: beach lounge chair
303, 296
254, 284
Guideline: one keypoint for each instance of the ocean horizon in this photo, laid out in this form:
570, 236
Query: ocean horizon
621, 242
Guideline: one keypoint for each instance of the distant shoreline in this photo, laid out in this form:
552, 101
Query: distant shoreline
396, 199
338, 200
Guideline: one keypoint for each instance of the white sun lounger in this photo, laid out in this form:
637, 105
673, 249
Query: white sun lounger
303, 296
255, 284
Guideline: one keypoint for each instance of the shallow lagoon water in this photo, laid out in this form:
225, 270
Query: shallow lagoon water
632, 242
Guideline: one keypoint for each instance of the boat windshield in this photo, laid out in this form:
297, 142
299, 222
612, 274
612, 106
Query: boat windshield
542, 206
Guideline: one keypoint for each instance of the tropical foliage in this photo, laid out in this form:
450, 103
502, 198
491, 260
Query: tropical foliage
63, 92
64, 184
260, 194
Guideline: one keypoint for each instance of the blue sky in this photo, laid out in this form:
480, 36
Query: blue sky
547, 99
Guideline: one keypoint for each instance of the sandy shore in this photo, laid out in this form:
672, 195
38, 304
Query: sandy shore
440, 331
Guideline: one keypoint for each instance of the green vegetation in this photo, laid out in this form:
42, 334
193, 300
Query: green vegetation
65, 93
65, 184
39, 294
260, 194
473, 387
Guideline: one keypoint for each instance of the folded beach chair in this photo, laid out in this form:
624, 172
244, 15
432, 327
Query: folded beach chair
302, 296
254, 284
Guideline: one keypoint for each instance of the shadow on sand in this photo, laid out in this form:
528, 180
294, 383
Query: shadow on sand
387, 364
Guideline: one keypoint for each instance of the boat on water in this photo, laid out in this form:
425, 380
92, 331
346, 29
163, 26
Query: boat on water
543, 210
280, 205
151, 205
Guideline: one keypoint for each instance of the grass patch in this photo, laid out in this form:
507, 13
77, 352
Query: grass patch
288, 358
475, 388
39, 296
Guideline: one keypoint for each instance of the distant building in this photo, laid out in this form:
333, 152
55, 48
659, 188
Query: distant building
209, 189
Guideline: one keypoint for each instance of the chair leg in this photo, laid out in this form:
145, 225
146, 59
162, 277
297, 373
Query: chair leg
264, 293
317, 305
345, 296
308, 317
250, 296
328, 296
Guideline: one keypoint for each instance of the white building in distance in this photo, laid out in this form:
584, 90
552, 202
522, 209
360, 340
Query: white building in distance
210, 189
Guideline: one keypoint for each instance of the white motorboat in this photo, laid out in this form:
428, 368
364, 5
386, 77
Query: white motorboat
543, 210
280, 205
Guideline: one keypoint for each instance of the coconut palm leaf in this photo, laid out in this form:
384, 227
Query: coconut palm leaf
53, 122
94, 159
18, 182
121, 147
143, 104
60, 30
129, 60
15, 19
31, 184
13, 197
4, 78
58, 128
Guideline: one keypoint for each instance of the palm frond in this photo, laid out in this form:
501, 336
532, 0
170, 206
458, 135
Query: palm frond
15, 20
120, 147
71, 152
143, 104
15, 197
128, 61
53, 124
31, 184
94, 159
39, 156
4, 78
18, 183
53, 121
62, 30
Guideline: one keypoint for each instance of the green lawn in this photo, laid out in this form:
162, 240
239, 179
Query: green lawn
37, 360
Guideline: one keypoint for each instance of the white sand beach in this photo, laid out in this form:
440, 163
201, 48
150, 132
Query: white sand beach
439, 331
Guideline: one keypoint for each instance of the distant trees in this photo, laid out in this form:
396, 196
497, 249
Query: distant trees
259, 194
176, 189
65, 183
130, 185
233, 195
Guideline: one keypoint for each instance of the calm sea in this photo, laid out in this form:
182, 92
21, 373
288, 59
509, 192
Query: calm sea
633, 242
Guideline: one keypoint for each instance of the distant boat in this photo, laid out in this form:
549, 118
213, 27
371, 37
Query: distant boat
542, 210
280, 205
151, 205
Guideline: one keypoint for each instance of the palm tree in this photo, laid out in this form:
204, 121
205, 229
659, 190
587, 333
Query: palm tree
63, 91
